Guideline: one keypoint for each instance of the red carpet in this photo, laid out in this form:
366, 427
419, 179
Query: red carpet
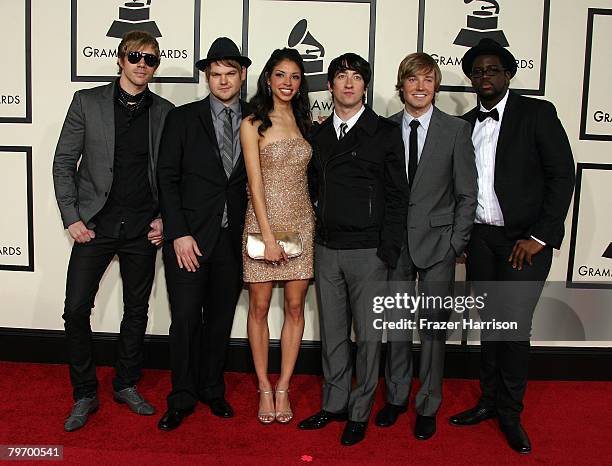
568, 423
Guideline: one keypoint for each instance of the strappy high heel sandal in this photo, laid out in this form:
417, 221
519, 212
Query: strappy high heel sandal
265, 417
284, 417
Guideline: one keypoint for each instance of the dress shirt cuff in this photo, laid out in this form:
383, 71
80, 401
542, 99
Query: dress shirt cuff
538, 240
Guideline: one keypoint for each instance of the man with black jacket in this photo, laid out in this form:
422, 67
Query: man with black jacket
109, 206
202, 191
525, 183
359, 189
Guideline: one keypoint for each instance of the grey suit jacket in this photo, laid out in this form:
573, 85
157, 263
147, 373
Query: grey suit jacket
88, 134
443, 198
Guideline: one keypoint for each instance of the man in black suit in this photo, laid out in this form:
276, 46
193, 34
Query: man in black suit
109, 206
202, 185
525, 183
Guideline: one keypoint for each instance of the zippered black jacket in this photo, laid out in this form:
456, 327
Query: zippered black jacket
358, 186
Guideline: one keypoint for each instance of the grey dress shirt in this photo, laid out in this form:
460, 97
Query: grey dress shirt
217, 108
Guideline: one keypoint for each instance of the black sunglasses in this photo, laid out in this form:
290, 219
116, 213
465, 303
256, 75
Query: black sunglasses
149, 58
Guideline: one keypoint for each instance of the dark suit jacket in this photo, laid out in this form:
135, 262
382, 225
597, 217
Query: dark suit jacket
358, 184
442, 201
193, 187
534, 170
89, 134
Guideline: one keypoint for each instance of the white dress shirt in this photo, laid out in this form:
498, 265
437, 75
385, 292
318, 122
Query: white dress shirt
484, 138
349, 123
424, 121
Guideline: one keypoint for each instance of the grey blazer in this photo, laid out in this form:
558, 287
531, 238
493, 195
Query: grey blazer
88, 134
442, 202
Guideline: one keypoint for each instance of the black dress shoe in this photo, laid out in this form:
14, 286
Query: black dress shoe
220, 407
425, 427
321, 419
173, 418
387, 416
472, 416
354, 432
516, 437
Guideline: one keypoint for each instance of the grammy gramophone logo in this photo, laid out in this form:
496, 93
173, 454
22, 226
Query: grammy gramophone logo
312, 52
133, 16
608, 252
481, 23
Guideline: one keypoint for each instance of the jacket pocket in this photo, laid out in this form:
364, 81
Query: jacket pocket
440, 220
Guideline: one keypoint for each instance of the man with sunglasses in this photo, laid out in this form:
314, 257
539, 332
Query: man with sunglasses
108, 203
525, 183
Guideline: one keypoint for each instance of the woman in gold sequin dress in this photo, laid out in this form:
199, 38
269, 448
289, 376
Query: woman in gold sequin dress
276, 154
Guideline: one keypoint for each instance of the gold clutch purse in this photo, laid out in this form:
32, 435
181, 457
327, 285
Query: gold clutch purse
290, 241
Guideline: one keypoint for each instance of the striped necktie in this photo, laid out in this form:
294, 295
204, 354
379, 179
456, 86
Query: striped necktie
227, 146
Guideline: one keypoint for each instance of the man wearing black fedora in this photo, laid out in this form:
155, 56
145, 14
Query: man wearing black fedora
202, 189
525, 183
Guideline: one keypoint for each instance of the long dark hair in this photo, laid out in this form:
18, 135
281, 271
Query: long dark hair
262, 104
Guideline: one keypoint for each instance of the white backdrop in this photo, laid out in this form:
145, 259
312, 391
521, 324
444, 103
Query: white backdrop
549, 36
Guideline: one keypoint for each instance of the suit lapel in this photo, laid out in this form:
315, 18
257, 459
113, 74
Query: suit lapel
398, 117
506, 130
154, 119
327, 139
107, 112
367, 123
244, 108
471, 116
206, 120
431, 140
239, 165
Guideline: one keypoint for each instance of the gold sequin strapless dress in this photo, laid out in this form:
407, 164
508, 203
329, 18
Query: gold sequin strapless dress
284, 171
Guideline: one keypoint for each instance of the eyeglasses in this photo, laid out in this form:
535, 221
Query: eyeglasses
489, 71
149, 58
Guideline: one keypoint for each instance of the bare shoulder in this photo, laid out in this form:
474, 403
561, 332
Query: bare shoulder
250, 121
249, 127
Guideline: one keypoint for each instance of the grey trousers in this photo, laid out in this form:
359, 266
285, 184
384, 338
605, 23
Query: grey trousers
436, 280
346, 281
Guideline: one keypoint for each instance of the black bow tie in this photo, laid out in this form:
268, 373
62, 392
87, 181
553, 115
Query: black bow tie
482, 116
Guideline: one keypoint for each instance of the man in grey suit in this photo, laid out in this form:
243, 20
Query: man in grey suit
109, 207
442, 178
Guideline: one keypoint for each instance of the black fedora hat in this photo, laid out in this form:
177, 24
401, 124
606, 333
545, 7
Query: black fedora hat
488, 46
223, 49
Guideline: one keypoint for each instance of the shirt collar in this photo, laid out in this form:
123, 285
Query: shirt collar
218, 107
501, 106
424, 119
123, 97
119, 90
350, 122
